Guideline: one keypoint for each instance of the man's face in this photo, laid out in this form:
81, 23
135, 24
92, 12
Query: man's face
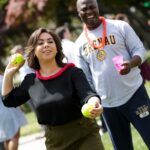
88, 12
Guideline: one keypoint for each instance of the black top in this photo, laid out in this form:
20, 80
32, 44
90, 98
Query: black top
57, 99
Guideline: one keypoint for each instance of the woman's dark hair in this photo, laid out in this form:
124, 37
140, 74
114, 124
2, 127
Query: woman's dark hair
32, 42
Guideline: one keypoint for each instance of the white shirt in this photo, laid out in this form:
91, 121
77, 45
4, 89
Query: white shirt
68, 50
25, 69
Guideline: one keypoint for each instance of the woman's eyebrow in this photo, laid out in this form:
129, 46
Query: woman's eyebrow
44, 39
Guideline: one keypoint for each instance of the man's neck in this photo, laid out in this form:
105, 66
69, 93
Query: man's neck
95, 26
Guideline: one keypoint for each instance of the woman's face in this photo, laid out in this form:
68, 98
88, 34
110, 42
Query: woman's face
45, 48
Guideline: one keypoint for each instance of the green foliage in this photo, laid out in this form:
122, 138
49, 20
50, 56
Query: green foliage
148, 57
29, 17
146, 4
2, 2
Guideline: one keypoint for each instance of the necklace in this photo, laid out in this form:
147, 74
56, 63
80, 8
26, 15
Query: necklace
101, 53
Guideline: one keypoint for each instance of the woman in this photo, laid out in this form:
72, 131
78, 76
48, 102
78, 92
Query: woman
58, 92
12, 119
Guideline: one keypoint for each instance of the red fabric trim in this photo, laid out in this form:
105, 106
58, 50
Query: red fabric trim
38, 75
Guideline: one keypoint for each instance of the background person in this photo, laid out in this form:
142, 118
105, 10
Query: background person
12, 119
58, 92
123, 94
122, 16
67, 45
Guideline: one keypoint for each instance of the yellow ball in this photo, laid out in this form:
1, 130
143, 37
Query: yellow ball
86, 108
17, 59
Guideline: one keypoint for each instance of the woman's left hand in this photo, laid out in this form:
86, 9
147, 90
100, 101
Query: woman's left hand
97, 109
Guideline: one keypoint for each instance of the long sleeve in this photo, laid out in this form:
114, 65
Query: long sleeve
18, 95
134, 44
81, 63
82, 86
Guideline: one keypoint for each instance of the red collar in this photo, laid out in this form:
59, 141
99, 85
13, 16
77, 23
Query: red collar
39, 76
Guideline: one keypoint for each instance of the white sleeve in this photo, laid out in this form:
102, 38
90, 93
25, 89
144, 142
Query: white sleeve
81, 63
133, 43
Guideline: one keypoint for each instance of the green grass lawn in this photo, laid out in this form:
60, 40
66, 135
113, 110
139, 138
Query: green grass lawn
138, 142
33, 127
147, 85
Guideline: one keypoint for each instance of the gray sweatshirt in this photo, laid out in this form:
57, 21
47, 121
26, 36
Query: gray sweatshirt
113, 88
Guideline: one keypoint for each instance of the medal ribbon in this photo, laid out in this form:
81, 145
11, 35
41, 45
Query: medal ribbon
102, 44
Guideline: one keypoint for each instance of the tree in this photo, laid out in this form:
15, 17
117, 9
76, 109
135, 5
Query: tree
18, 18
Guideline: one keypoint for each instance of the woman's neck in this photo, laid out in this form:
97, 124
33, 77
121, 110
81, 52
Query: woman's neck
48, 69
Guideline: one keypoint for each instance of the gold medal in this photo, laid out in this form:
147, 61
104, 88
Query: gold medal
101, 55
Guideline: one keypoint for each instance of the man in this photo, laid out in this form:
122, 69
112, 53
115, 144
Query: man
122, 93
122, 16
67, 45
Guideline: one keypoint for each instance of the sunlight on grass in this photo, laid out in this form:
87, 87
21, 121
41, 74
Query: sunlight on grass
107, 142
147, 85
32, 125
137, 141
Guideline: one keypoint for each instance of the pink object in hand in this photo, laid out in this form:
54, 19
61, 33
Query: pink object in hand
118, 61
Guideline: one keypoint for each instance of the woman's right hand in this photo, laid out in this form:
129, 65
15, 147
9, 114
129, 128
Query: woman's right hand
11, 68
